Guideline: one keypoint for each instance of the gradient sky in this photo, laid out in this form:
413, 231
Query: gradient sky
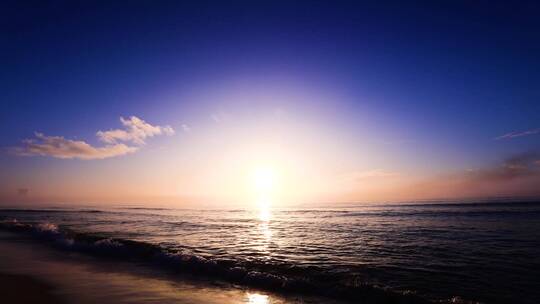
170, 102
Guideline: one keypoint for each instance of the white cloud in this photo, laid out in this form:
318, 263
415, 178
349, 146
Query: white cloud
518, 134
135, 131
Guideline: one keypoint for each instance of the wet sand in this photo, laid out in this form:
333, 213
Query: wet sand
25, 289
33, 272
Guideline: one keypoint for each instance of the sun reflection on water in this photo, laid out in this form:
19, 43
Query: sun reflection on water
257, 298
263, 206
264, 215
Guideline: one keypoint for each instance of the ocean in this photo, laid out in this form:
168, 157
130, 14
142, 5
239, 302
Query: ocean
487, 252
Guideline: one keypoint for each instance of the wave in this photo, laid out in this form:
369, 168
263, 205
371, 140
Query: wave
475, 203
439, 213
145, 208
236, 272
14, 210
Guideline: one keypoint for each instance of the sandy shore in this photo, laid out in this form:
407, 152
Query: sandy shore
33, 272
26, 289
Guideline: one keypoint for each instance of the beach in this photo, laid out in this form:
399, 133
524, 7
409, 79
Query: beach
33, 272
26, 289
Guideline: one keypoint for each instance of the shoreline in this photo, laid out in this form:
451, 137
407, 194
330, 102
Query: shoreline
33, 272
194, 269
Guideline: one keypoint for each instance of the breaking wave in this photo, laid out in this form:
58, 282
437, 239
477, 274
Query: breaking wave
271, 277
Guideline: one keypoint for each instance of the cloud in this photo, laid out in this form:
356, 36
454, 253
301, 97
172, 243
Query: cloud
518, 134
377, 173
60, 147
518, 175
398, 142
135, 132
515, 167
219, 117
186, 128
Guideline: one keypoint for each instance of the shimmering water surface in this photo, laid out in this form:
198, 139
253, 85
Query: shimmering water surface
488, 252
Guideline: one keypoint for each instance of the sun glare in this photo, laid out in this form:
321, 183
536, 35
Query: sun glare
263, 179
264, 182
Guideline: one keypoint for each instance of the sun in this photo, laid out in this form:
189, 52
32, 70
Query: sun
263, 179
264, 185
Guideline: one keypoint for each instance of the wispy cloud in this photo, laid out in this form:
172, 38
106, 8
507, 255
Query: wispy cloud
219, 117
135, 132
370, 174
517, 175
398, 142
186, 128
60, 147
518, 134
517, 166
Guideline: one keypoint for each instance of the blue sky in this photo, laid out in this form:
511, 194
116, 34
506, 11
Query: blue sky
436, 83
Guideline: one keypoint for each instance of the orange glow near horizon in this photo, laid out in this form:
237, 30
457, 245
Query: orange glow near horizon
278, 161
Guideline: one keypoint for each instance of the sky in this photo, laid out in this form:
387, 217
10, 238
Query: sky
191, 103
